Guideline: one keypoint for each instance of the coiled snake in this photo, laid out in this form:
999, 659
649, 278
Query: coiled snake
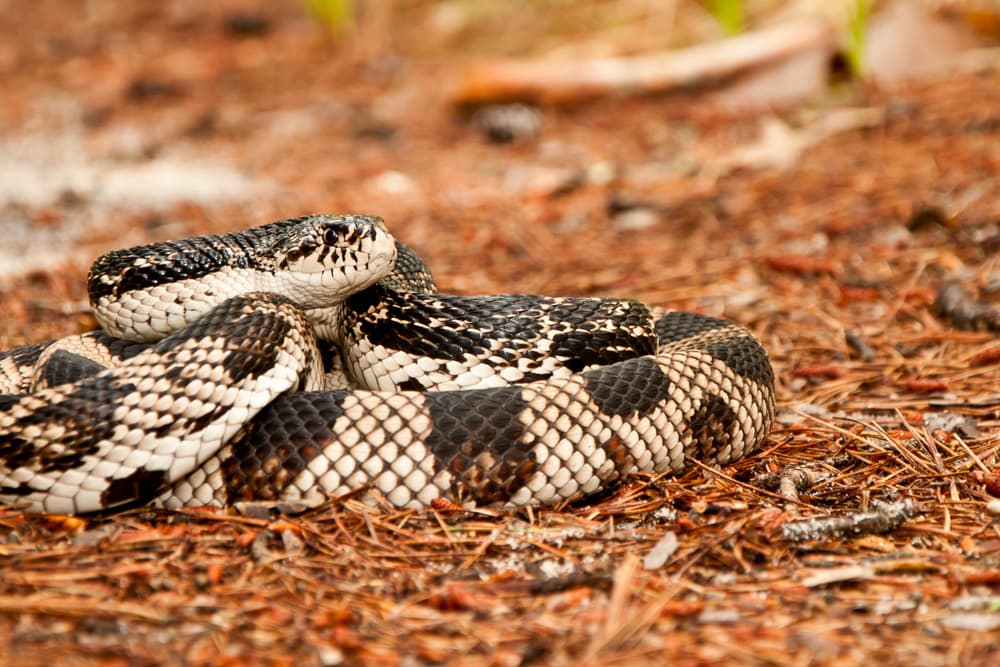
486, 400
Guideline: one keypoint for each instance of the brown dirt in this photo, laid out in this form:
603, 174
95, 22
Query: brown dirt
854, 238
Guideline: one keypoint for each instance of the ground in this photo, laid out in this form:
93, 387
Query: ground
133, 122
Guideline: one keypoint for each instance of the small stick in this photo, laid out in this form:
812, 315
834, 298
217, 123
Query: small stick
882, 518
562, 81
859, 345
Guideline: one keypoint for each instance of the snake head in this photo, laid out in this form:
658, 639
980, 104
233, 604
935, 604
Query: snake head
324, 258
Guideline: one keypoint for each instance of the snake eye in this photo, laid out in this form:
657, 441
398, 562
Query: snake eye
331, 236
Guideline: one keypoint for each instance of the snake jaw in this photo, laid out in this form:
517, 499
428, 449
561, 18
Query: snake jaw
320, 264
321, 280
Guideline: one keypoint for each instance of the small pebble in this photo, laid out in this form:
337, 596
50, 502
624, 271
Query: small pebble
505, 123
636, 218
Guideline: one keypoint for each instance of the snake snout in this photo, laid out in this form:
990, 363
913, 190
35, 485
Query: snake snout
335, 257
352, 230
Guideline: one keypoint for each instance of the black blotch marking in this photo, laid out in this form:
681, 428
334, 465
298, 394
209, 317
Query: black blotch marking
251, 327
86, 411
24, 359
477, 437
585, 344
22, 489
279, 443
410, 384
15, 452
8, 401
678, 325
139, 487
64, 366
85, 414
118, 347
263, 335
711, 428
375, 314
453, 328
253, 333
190, 425
741, 352
634, 386
144, 267
26, 355
745, 357
410, 273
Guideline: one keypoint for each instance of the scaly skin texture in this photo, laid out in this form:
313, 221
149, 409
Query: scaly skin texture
147, 292
545, 400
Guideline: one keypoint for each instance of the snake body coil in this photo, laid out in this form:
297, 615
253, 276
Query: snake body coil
506, 399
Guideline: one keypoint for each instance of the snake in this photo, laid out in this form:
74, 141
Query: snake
313, 358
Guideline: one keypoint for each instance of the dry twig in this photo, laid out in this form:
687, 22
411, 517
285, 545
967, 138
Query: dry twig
555, 81
882, 518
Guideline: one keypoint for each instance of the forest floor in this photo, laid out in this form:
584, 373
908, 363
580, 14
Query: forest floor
866, 262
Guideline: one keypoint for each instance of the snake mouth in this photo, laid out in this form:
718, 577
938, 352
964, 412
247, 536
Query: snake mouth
382, 263
316, 285
351, 279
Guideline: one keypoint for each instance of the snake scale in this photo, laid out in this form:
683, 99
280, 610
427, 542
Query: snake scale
312, 357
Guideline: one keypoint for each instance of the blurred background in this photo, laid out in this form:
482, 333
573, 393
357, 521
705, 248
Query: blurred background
550, 146
824, 172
